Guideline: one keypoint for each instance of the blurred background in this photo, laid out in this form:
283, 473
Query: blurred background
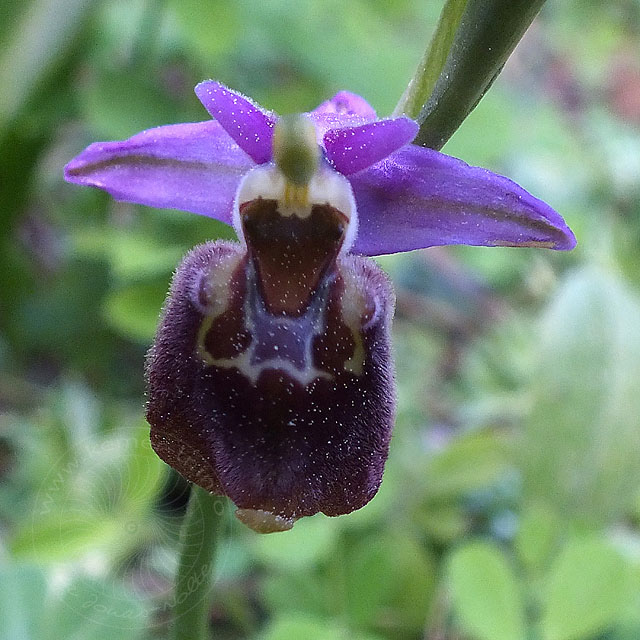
510, 508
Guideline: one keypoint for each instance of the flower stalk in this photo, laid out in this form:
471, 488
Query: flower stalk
486, 32
430, 66
198, 543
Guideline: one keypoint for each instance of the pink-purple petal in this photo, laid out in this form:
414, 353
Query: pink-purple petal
345, 109
419, 198
250, 126
194, 167
347, 103
351, 149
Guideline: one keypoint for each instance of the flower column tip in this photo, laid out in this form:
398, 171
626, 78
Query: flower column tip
295, 149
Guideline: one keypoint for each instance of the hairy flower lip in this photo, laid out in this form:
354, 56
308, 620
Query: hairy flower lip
408, 197
311, 447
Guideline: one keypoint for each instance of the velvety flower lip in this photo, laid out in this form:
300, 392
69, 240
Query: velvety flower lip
407, 197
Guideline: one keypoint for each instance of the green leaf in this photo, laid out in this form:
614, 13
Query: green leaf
626, 632
138, 257
119, 103
442, 520
309, 542
295, 627
44, 33
22, 595
132, 256
297, 592
581, 446
380, 572
198, 19
488, 32
589, 587
368, 582
536, 536
485, 593
64, 535
141, 475
11, 12
134, 310
94, 610
470, 462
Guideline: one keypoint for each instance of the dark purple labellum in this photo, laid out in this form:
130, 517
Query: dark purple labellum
271, 379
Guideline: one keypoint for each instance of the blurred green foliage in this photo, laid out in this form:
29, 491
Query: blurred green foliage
510, 508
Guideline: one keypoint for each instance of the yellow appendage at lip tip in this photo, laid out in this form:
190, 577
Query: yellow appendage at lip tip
296, 195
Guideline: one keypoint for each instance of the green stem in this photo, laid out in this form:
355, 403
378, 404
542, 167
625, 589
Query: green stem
430, 66
473, 41
198, 540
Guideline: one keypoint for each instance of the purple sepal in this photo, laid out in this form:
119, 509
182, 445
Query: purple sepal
194, 167
412, 198
351, 149
273, 445
419, 198
248, 124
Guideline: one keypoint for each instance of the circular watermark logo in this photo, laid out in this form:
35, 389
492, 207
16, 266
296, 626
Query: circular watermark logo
108, 520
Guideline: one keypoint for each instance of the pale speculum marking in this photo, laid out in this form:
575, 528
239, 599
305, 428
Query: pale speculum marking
290, 273
278, 342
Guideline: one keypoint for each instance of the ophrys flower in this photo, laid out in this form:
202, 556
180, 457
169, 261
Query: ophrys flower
270, 378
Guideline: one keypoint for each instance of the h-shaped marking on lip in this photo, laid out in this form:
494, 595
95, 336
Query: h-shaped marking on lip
278, 342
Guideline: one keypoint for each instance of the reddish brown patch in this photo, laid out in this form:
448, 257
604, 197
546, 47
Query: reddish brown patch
227, 336
336, 345
291, 254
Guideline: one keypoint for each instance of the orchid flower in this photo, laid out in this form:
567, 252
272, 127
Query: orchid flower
271, 379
